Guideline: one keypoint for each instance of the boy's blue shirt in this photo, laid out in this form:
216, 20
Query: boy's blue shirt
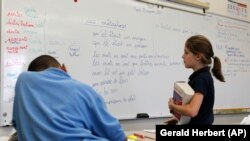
51, 106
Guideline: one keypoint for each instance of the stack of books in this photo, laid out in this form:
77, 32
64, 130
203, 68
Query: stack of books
182, 95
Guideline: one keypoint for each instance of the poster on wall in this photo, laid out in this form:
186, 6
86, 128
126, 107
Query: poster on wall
238, 9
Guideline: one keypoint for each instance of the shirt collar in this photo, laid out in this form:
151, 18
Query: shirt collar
204, 69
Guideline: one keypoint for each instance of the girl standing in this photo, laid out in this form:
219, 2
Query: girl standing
198, 55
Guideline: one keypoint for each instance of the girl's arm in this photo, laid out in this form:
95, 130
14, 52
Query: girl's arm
191, 109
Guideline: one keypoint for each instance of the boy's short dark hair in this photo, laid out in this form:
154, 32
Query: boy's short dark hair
43, 62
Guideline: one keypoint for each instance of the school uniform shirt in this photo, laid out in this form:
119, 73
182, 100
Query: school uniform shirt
51, 106
202, 81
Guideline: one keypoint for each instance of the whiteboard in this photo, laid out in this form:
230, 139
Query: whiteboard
129, 52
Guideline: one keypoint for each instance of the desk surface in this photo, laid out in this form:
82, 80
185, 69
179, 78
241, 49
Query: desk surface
147, 136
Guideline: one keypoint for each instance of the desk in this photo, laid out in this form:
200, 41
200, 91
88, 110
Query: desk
147, 136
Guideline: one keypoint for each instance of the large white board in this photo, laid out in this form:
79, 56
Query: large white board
130, 52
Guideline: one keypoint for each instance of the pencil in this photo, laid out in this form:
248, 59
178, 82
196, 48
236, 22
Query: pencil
139, 135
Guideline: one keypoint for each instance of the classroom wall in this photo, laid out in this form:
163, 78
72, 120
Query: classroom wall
221, 7
121, 63
131, 125
141, 124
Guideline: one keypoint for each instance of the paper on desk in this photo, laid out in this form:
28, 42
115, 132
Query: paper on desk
4, 138
150, 130
245, 121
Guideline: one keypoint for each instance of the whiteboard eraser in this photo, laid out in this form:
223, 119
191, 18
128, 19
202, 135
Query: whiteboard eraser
142, 115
